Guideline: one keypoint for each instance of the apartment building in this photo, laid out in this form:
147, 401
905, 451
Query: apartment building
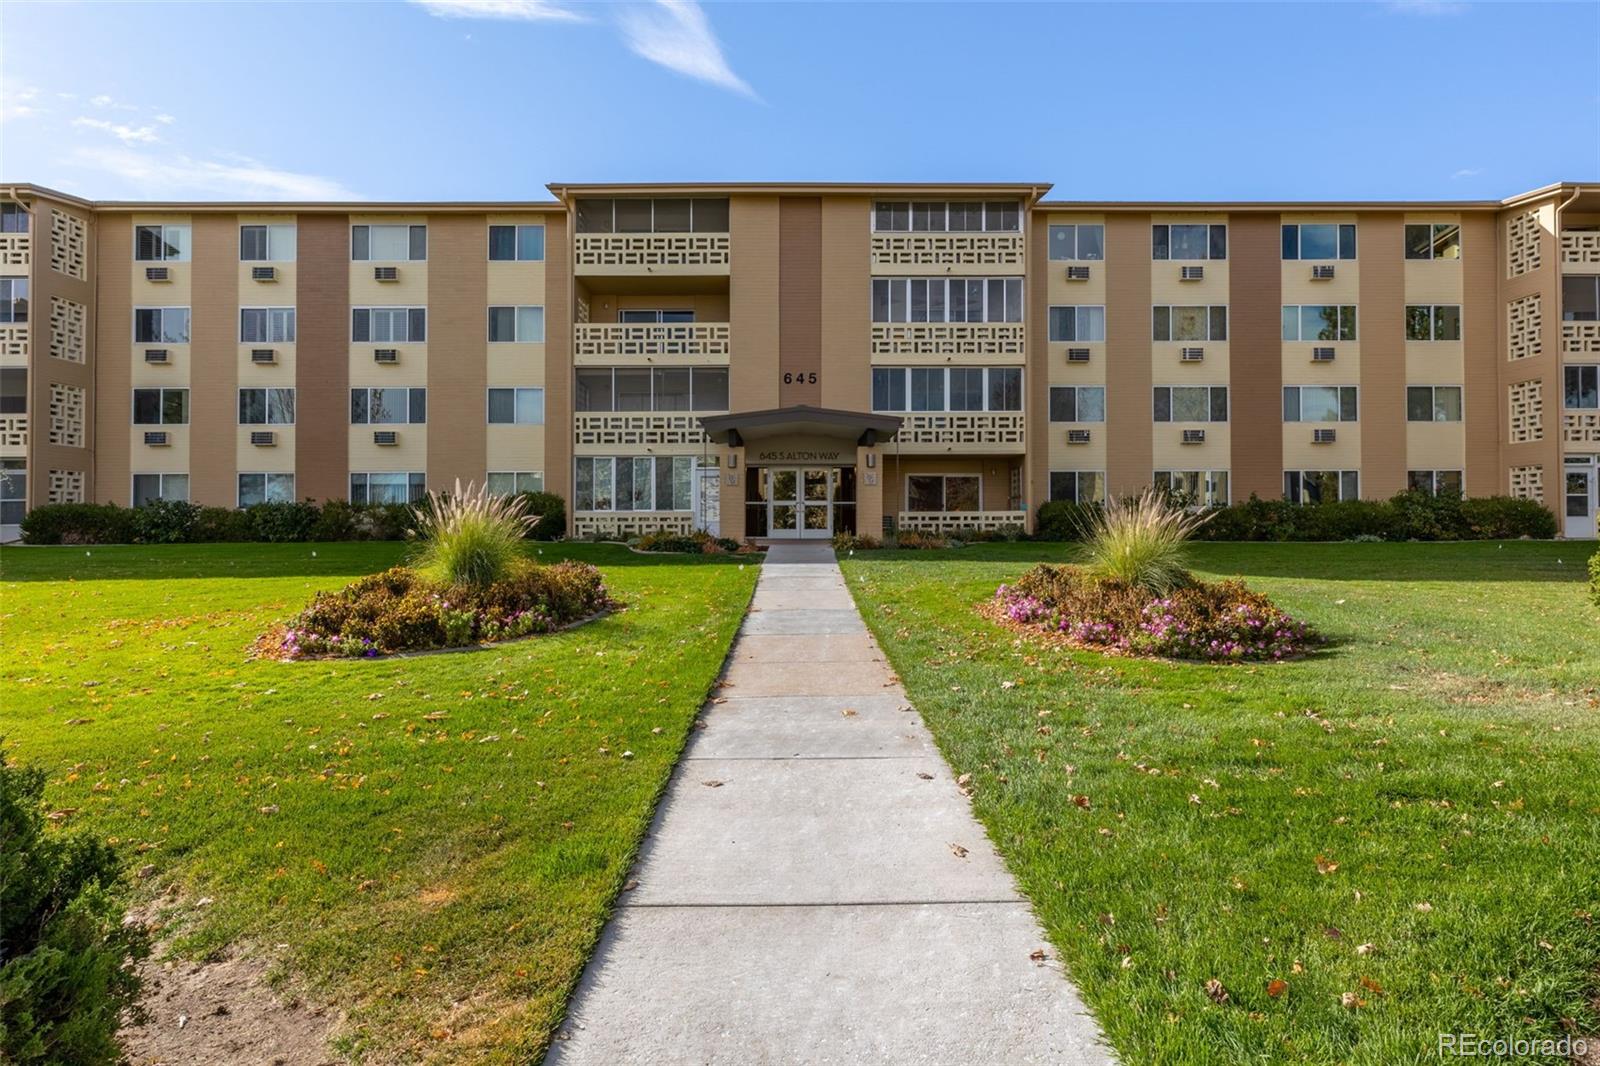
795, 360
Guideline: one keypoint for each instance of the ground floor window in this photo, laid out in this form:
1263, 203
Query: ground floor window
1197, 488
265, 488
148, 487
944, 492
633, 483
1434, 482
1321, 486
13, 490
511, 482
1078, 486
386, 487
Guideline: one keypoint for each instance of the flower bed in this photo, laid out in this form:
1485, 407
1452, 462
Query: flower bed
400, 610
1223, 621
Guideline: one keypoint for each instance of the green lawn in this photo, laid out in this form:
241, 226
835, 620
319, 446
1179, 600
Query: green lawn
1429, 786
435, 841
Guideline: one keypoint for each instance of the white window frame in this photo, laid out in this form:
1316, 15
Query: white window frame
12, 292
266, 477
1077, 485
1433, 242
1300, 322
1208, 496
1075, 257
161, 490
1080, 312
1593, 371
947, 409
516, 322
944, 490
1338, 391
370, 226
133, 405
14, 487
1433, 403
275, 254
985, 283
407, 389
1211, 322
1077, 405
611, 462
516, 241
1433, 325
403, 311
516, 476
1207, 258
163, 312
266, 404
1356, 474
412, 495
1433, 480
944, 206
277, 318
186, 245
516, 396
1208, 420
1338, 243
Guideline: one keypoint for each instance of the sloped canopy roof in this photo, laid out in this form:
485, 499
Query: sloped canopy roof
801, 420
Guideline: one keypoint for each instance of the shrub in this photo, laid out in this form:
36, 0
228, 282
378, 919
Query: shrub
1141, 542
282, 522
384, 521
917, 540
666, 540
221, 524
165, 521
551, 512
1594, 578
1507, 517
851, 542
1406, 516
65, 978
78, 523
470, 537
1063, 520
336, 520
974, 535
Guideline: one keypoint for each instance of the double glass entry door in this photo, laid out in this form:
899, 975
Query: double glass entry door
800, 502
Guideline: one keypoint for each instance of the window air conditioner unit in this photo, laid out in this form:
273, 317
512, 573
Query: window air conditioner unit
385, 273
264, 438
1077, 436
263, 273
1079, 273
158, 356
157, 274
1324, 436
386, 438
1191, 355
1194, 436
264, 356
156, 439
1077, 355
1322, 355
1322, 272
1191, 273
386, 355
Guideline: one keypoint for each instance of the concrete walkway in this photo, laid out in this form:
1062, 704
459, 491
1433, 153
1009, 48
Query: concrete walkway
815, 888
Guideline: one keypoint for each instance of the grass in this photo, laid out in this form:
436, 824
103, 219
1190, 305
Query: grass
1408, 821
431, 843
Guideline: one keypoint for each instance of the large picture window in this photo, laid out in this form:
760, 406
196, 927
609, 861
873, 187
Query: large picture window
388, 487
388, 243
937, 388
1200, 241
1199, 488
944, 493
1191, 403
947, 300
389, 325
1320, 403
633, 483
265, 488
1189, 323
1321, 486
1319, 240
1078, 322
1434, 482
934, 216
676, 388
1319, 322
147, 488
388, 406
512, 482
675, 215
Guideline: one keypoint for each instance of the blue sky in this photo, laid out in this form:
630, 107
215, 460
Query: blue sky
491, 99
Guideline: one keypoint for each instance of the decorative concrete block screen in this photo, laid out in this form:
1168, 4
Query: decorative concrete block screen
68, 411
1527, 411
1524, 320
69, 329
69, 243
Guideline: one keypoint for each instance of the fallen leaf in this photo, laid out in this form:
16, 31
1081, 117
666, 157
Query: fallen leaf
1277, 988
1215, 991
1365, 949
959, 851
1038, 955
1372, 986
925, 777
1326, 866
1350, 1001
713, 783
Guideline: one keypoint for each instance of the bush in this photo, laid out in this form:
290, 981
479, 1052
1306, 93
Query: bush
222, 524
1507, 517
336, 520
1063, 520
470, 538
165, 522
974, 535
78, 523
1594, 578
65, 978
1141, 542
282, 522
699, 542
851, 542
917, 540
551, 512
1406, 516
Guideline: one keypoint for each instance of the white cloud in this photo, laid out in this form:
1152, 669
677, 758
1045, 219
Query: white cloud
677, 35
1466, 172
165, 119
125, 134
19, 101
518, 10
181, 175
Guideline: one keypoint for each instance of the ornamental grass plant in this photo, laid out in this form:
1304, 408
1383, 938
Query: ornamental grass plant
1140, 542
470, 536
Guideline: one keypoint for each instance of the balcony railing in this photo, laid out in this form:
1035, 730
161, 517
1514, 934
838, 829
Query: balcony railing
16, 250
14, 433
1580, 338
14, 343
955, 521
1580, 427
1581, 248
954, 431
976, 250
960, 340
627, 253
628, 523
609, 341
638, 428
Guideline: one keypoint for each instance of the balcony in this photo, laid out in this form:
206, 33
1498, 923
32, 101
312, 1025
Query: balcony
14, 344
16, 252
955, 521
998, 341
14, 433
1580, 249
981, 251
941, 432
638, 429
666, 254
611, 342
1580, 338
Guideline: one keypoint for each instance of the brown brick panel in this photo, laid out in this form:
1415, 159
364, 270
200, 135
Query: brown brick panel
322, 358
558, 300
1381, 322
1036, 474
1255, 356
799, 300
214, 361
1484, 258
846, 304
43, 456
458, 296
753, 373
1129, 448
1482, 339
113, 359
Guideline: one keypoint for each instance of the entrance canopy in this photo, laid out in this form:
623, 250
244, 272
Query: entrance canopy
834, 430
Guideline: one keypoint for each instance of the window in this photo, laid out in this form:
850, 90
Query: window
522, 407
389, 324
519, 243
1319, 322
1084, 243
389, 243
1189, 323
13, 219
1582, 390
266, 407
1433, 322
947, 300
678, 388
266, 325
1077, 403
267, 244
1198, 488
161, 244
1580, 298
13, 299
1189, 241
1434, 482
1191, 403
389, 406
944, 492
900, 216
265, 488
1078, 322
898, 388
13, 390
647, 315
1320, 240
633, 483
1433, 403
1319, 403
150, 487
1078, 486
1433, 240
698, 215
388, 488
512, 482
1321, 486
521, 324
160, 407
161, 325
13, 482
